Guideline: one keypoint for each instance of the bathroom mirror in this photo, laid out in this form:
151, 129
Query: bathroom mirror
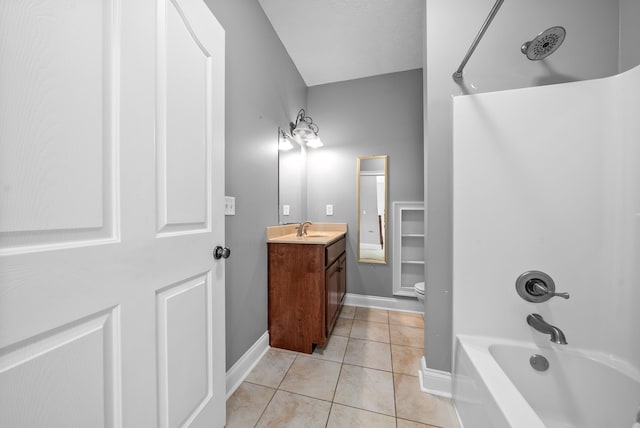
372, 209
292, 184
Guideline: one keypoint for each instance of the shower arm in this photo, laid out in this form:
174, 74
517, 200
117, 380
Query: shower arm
457, 75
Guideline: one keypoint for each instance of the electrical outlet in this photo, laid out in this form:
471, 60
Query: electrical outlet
229, 205
285, 210
329, 209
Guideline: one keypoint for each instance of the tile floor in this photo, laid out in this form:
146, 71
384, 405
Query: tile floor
366, 376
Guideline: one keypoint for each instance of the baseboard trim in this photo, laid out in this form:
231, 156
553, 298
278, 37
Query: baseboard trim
241, 369
434, 382
460, 424
406, 305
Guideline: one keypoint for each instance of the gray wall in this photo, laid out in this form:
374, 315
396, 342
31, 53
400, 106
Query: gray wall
590, 50
380, 115
263, 91
629, 34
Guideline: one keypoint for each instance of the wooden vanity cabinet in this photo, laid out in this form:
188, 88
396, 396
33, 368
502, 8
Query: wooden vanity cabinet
307, 285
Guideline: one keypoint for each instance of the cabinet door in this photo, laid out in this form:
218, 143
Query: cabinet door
333, 297
342, 284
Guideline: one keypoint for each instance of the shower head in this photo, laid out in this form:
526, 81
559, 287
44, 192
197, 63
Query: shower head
544, 44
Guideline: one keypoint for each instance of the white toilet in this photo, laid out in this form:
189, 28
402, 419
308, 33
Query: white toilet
419, 289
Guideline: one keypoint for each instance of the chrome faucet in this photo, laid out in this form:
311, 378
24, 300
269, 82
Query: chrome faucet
302, 228
536, 321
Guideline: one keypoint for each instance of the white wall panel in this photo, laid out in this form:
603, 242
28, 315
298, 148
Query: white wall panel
546, 179
624, 285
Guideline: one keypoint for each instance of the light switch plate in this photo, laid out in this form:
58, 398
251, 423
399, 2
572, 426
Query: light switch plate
229, 205
329, 209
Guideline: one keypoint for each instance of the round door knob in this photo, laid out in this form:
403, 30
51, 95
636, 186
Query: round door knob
221, 253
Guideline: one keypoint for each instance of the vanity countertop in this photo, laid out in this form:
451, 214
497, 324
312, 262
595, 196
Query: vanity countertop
317, 233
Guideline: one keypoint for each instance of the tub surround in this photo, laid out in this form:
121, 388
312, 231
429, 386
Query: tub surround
561, 198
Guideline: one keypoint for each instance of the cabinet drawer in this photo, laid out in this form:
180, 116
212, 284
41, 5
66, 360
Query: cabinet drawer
333, 251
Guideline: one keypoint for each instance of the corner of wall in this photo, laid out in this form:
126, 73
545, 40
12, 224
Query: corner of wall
434, 381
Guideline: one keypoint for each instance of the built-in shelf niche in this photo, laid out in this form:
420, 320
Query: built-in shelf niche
408, 247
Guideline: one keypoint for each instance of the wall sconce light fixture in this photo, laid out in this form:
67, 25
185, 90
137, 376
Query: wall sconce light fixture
305, 131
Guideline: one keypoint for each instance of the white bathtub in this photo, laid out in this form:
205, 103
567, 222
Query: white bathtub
495, 386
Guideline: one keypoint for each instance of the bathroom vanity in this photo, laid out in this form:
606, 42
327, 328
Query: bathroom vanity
307, 284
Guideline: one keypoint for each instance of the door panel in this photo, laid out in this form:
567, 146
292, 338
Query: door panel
184, 125
36, 376
185, 379
50, 108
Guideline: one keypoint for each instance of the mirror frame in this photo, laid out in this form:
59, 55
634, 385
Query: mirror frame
386, 209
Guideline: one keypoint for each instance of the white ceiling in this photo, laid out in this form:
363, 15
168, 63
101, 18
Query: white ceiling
336, 40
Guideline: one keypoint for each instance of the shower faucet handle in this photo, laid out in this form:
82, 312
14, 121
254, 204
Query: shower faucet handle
540, 289
563, 295
537, 287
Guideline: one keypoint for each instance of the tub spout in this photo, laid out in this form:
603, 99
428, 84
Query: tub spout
536, 321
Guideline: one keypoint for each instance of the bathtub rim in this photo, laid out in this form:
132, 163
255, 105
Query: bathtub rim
505, 395
512, 405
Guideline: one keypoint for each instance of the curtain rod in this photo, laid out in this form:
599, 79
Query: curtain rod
457, 75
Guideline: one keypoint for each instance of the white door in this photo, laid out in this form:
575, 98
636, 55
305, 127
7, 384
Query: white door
111, 204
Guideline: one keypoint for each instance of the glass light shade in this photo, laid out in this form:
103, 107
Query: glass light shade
303, 131
314, 143
285, 145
